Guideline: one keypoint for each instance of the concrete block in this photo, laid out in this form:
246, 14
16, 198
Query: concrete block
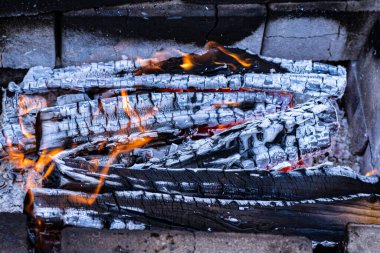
250, 21
140, 30
91, 240
10, 8
354, 111
233, 242
363, 238
369, 84
8, 75
27, 41
13, 233
331, 31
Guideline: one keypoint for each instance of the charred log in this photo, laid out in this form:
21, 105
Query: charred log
81, 122
18, 121
263, 143
320, 219
313, 84
279, 141
323, 181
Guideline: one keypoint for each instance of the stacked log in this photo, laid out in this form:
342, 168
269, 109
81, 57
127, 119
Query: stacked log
212, 148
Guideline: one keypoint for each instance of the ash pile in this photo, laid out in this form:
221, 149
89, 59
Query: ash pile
222, 141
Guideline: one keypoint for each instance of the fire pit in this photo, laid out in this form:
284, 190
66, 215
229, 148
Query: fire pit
217, 139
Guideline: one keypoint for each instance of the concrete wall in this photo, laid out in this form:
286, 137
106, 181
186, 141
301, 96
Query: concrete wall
321, 30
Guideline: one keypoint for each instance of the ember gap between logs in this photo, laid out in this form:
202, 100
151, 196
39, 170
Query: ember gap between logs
222, 140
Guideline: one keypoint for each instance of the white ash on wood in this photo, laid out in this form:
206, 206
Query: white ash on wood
81, 122
314, 84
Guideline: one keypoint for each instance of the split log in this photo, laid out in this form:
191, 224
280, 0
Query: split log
324, 181
282, 138
92, 70
84, 121
319, 219
308, 66
18, 120
285, 136
313, 84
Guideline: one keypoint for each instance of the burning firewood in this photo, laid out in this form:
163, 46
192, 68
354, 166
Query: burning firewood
216, 141
278, 141
314, 85
84, 121
275, 201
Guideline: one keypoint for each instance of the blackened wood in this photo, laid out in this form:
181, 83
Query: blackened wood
319, 219
323, 181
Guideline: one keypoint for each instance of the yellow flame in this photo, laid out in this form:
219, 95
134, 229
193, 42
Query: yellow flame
133, 115
187, 62
29, 206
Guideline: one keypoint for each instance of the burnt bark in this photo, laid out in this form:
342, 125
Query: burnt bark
324, 181
320, 219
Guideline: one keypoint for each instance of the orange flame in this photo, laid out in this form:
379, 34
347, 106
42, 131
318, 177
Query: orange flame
244, 62
121, 148
17, 157
372, 172
48, 171
133, 115
187, 62
45, 157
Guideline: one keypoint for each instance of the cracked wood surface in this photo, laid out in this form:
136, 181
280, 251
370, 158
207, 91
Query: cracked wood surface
323, 181
81, 122
282, 138
320, 219
313, 84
